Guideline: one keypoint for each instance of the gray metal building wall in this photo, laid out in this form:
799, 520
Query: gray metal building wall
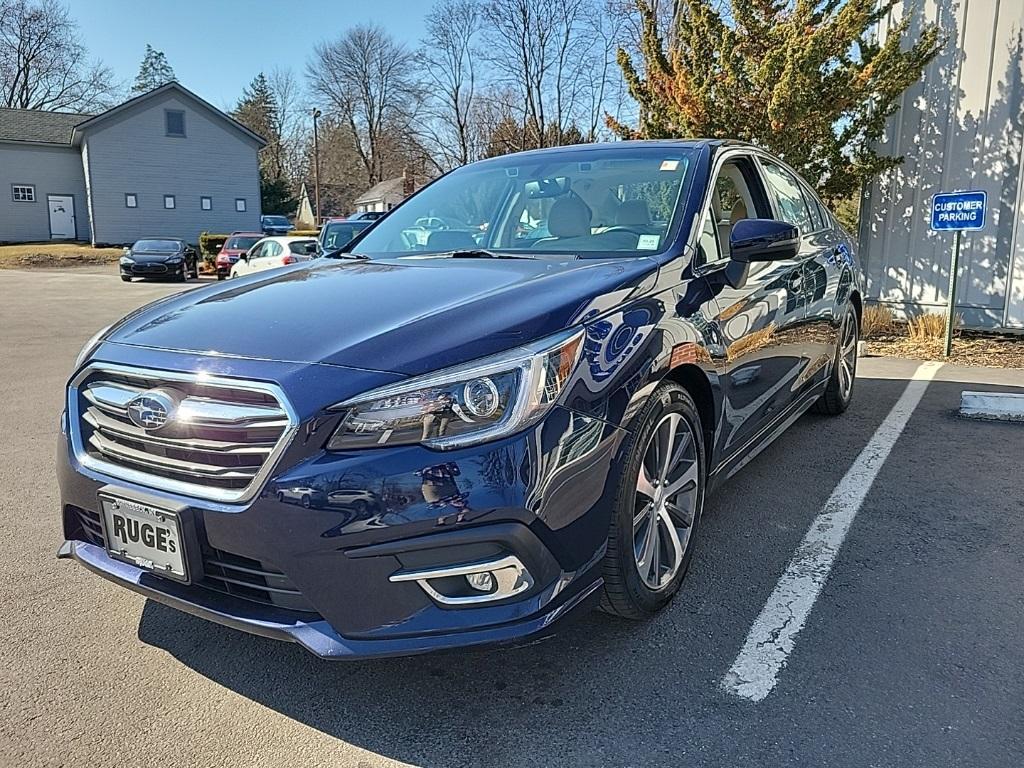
961, 127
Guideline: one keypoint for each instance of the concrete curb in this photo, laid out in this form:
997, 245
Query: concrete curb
1001, 406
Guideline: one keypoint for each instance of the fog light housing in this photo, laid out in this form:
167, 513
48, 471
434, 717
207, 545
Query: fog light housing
488, 580
481, 582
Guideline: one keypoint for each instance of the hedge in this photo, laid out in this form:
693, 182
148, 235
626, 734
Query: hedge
210, 243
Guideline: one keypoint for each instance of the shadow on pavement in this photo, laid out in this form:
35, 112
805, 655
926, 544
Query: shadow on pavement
601, 691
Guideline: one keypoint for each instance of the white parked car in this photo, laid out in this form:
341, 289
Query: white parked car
273, 252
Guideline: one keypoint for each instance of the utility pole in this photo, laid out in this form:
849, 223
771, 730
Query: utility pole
316, 167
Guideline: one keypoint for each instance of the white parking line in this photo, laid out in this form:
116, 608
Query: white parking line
771, 639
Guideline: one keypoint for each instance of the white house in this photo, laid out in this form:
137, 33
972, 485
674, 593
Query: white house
165, 163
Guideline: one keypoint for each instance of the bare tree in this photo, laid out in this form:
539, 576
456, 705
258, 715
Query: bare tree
558, 56
364, 77
292, 122
449, 63
43, 62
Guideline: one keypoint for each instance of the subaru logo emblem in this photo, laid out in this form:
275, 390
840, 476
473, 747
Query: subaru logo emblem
152, 409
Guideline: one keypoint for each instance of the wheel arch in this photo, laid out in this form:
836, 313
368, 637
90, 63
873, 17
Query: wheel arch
694, 380
858, 306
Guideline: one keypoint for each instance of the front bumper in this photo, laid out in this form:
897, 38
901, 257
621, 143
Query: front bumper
151, 269
326, 532
315, 635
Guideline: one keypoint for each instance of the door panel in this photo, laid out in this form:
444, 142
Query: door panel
759, 322
62, 217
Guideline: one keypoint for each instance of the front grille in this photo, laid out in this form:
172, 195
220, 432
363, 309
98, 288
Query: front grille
251, 580
84, 524
149, 269
220, 439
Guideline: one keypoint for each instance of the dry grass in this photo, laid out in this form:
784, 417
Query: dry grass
31, 255
878, 320
930, 327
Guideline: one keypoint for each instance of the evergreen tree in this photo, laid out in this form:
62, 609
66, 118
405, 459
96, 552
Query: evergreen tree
257, 110
153, 72
803, 78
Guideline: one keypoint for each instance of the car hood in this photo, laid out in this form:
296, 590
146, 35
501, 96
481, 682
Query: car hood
405, 316
152, 256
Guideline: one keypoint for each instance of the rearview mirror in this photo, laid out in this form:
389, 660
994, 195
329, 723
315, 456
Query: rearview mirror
763, 240
547, 187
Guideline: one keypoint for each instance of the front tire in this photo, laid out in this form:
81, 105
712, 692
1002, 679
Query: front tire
839, 391
125, 279
657, 508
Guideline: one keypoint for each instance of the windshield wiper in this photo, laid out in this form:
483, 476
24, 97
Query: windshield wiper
481, 253
338, 254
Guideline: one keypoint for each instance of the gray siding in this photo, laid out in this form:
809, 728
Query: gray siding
961, 127
132, 153
51, 170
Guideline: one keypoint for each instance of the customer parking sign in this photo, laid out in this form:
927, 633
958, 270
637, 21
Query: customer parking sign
959, 210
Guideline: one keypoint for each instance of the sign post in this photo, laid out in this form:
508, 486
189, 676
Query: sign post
957, 211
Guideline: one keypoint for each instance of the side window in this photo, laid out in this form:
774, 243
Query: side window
737, 194
792, 206
812, 206
708, 247
272, 249
257, 251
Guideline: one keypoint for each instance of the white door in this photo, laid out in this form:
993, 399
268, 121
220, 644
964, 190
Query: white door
62, 217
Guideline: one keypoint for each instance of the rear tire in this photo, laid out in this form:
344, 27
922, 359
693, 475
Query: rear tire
656, 510
839, 391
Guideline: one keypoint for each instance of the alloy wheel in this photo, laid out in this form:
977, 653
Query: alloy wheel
667, 496
847, 355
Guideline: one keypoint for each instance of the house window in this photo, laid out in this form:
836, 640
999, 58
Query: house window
240, 204
206, 203
175, 119
168, 201
131, 200
23, 193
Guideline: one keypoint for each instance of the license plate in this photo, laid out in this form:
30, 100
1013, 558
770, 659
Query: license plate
146, 536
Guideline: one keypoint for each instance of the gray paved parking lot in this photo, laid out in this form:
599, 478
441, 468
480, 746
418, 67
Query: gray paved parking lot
910, 656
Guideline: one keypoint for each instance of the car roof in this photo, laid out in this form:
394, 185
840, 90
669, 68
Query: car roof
246, 234
607, 146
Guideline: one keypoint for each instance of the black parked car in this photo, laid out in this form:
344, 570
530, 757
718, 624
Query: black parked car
444, 437
160, 257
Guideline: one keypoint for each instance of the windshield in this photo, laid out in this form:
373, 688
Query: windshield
159, 246
241, 243
276, 221
339, 233
605, 202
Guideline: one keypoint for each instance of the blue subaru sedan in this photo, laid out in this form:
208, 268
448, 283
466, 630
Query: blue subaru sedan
502, 404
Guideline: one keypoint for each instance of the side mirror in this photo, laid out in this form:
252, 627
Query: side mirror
244, 256
763, 240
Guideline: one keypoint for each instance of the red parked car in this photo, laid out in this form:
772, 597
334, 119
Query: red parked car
235, 246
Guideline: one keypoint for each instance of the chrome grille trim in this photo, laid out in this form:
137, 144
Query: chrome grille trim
118, 449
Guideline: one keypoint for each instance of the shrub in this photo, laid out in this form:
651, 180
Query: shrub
210, 244
930, 326
878, 320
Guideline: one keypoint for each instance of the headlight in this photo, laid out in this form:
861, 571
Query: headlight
175, 260
473, 403
127, 259
90, 347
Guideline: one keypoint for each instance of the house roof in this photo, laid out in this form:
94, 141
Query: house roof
171, 86
36, 125
39, 126
383, 190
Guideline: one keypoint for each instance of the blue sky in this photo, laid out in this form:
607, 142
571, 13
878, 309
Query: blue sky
217, 46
